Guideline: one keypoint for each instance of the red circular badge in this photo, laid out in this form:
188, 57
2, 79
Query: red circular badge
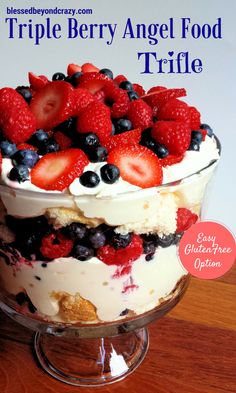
207, 250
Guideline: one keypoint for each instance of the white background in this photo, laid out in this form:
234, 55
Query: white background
213, 91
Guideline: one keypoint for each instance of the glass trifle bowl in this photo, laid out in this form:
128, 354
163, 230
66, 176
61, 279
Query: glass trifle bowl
90, 308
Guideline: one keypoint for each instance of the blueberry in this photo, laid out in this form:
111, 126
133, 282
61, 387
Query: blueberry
121, 241
149, 257
96, 238
149, 247
19, 173
82, 253
97, 154
107, 72
49, 146
25, 92
58, 76
133, 95
28, 244
25, 157
196, 136
113, 130
194, 145
110, 173
89, 140
89, 179
123, 125
126, 85
151, 238
207, 128
177, 237
166, 240
21, 298
160, 150
146, 135
68, 126
75, 231
74, 79
33, 225
7, 148
38, 138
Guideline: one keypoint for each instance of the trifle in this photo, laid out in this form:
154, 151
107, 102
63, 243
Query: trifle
99, 181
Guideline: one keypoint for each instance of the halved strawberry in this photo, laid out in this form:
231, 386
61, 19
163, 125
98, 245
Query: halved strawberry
73, 68
37, 81
53, 104
26, 146
88, 67
94, 82
131, 137
138, 165
63, 140
56, 171
158, 95
119, 78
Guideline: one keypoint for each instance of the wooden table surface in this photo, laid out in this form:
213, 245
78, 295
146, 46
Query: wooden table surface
192, 350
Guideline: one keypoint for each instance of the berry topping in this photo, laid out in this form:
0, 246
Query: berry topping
7, 148
171, 159
172, 134
117, 99
122, 256
89, 67
82, 253
195, 118
72, 69
194, 145
16, 120
140, 114
120, 241
123, 125
107, 72
52, 104
56, 171
158, 95
174, 110
26, 146
137, 164
166, 240
95, 118
49, 146
37, 82
81, 99
62, 140
74, 79
126, 138
94, 82
89, 141
119, 78
39, 137
96, 238
126, 85
97, 154
138, 89
25, 157
58, 76
89, 179
109, 173
55, 246
185, 218
25, 92
196, 136
133, 95
19, 173
207, 128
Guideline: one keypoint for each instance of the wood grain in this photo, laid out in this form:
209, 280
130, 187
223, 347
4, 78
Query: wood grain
192, 350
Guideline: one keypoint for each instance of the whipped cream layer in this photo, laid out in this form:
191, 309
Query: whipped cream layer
138, 210
153, 282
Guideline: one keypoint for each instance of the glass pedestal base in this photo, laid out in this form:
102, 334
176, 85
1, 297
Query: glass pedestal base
91, 361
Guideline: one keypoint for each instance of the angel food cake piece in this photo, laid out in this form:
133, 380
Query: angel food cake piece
93, 205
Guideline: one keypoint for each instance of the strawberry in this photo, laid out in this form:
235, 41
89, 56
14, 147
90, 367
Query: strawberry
73, 68
94, 82
110, 256
16, 120
137, 164
81, 99
53, 104
131, 137
37, 81
88, 67
158, 95
55, 246
95, 118
171, 159
175, 135
138, 89
174, 110
26, 146
63, 140
119, 78
185, 219
195, 118
119, 99
56, 171
140, 114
